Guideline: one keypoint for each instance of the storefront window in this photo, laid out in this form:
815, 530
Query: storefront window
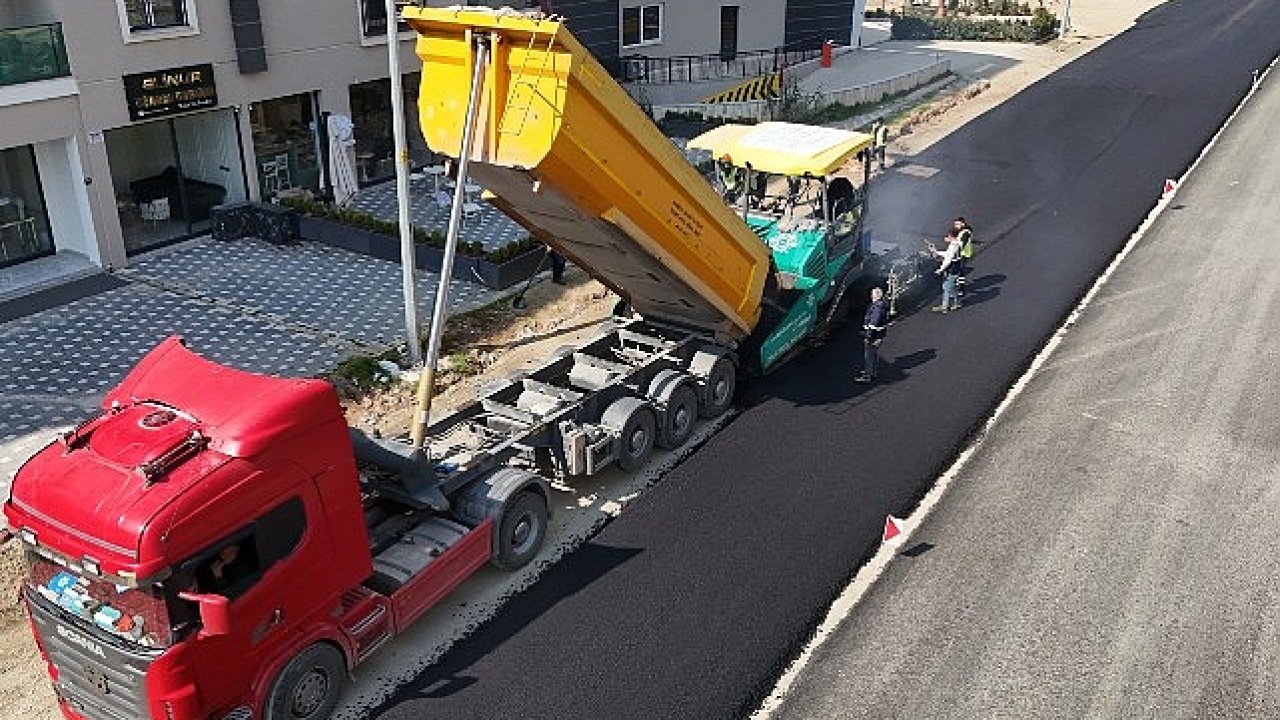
170, 174
24, 226
284, 142
375, 139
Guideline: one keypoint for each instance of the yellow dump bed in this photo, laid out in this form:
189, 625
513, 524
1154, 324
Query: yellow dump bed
569, 155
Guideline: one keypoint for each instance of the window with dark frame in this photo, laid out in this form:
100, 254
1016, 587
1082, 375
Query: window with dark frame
153, 14
237, 563
641, 25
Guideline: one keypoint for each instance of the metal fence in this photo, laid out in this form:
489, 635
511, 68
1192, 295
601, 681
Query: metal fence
760, 110
694, 68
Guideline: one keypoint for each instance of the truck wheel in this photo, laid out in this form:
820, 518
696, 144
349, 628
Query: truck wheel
521, 530
635, 424
674, 391
719, 384
309, 686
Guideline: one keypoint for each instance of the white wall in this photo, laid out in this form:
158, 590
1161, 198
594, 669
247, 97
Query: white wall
859, 10
66, 198
692, 27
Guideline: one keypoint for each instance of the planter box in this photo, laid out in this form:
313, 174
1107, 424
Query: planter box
499, 276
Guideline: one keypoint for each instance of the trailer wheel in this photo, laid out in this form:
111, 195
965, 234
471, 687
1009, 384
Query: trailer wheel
674, 391
719, 385
309, 686
521, 530
636, 425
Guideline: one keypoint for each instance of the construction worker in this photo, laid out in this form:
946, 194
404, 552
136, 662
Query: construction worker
558, 264
949, 270
880, 141
874, 325
965, 233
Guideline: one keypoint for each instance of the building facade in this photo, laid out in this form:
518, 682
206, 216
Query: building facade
120, 131
614, 29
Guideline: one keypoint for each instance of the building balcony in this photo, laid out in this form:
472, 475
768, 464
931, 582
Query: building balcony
32, 53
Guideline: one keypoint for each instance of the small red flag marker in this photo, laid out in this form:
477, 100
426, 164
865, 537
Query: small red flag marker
1169, 187
893, 529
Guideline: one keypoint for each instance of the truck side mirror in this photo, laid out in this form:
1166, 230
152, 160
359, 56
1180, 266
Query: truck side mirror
213, 612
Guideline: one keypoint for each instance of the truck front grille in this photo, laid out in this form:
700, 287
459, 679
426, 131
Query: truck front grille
99, 678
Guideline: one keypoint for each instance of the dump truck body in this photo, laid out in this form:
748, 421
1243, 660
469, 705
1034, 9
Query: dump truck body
565, 152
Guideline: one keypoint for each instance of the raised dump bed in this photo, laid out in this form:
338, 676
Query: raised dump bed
565, 152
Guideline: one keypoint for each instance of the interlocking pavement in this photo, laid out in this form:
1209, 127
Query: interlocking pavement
295, 310
429, 210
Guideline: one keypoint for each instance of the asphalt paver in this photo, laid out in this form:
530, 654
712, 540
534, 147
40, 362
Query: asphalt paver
690, 603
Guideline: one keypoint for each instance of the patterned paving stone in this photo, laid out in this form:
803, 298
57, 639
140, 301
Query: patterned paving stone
430, 211
281, 311
308, 285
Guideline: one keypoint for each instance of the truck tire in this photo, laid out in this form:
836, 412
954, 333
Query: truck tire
718, 386
675, 393
636, 425
521, 530
308, 687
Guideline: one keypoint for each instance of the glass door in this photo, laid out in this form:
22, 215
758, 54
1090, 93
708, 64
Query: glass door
147, 181
170, 174
24, 225
208, 150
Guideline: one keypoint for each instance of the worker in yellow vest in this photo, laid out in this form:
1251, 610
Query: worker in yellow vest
880, 141
965, 234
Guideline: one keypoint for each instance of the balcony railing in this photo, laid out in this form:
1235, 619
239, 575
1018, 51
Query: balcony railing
32, 53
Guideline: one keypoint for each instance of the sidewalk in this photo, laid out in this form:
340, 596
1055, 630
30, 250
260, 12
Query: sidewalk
294, 311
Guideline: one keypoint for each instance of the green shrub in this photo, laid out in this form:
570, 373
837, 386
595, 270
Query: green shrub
515, 249
363, 372
431, 238
1044, 24
1041, 27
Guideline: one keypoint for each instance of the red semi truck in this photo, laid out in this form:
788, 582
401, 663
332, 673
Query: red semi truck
207, 546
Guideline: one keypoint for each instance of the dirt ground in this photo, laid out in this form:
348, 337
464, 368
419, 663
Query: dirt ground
499, 341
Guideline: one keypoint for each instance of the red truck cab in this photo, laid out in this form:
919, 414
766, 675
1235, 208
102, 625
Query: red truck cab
199, 549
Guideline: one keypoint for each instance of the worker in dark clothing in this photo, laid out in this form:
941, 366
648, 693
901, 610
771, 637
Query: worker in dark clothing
557, 268
880, 142
874, 325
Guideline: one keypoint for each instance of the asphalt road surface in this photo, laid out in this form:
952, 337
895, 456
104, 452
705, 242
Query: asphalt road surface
691, 603
1111, 549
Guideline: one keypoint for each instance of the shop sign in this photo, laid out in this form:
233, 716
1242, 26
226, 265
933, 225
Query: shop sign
172, 91
373, 16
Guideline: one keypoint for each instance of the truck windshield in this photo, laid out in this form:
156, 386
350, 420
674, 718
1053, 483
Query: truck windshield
138, 616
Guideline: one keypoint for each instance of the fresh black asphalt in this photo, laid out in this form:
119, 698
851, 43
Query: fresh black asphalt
691, 603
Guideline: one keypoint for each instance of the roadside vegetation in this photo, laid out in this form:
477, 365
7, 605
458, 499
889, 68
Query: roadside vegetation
311, 207
363, 375
1040, 27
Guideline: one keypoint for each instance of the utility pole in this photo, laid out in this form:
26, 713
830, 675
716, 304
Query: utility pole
407, 255
427, 378
1064, 17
